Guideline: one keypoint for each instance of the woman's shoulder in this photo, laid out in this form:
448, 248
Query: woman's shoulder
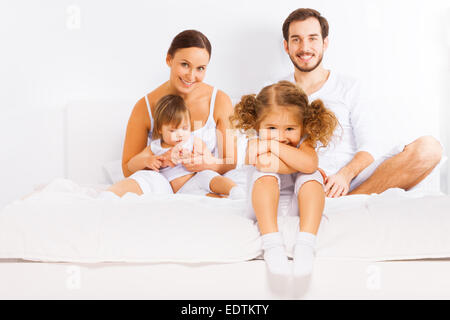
142, 108
156, 94
207, 91
223, 104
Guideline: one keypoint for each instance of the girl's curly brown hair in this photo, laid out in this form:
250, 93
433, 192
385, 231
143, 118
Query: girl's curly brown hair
318, 123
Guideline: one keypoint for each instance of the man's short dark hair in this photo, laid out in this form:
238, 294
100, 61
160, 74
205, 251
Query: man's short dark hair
301, 15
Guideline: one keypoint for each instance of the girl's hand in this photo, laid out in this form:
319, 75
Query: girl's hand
199, 160
256, 148
166, 159
178, 154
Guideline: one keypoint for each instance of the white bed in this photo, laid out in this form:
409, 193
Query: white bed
344, 268
332, 279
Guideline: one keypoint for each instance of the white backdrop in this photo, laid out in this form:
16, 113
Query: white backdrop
56, 51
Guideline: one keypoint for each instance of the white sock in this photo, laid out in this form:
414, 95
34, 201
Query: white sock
237, 193
304, 254
107, 195
275, 254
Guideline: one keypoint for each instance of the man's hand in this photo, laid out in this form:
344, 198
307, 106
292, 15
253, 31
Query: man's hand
337, 185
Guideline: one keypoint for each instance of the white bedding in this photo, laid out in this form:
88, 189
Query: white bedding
64, 222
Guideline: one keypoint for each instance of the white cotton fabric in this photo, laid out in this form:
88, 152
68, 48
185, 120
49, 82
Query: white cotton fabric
152, 182
289, 186
207, 133
357, 132
65, 222
199, 183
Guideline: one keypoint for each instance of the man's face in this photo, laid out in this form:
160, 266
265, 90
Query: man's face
305, 45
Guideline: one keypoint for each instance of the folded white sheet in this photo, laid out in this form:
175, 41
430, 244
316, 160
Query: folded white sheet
64, 222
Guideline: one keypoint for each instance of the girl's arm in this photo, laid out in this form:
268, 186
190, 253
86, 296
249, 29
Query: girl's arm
303, 159
259, 155
269, 162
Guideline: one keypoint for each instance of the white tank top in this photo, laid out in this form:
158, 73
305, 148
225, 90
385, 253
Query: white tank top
177, 171
207, 133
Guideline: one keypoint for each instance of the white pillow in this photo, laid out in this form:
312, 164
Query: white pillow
64, 222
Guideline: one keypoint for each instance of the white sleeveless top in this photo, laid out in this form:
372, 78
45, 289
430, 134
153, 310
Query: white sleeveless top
179, 170
207, 133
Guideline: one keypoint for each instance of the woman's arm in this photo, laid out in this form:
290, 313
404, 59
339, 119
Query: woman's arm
135, 151
226, 139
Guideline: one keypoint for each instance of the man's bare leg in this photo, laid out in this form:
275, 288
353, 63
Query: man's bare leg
406, 169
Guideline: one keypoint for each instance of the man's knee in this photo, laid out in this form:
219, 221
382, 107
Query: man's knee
425, 150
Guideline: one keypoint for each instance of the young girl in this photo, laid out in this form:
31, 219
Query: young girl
172, 129
284, 161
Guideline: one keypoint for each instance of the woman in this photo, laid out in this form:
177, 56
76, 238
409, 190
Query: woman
210, 109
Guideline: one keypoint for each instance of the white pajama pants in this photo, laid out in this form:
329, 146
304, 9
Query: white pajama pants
152, 182
289, 186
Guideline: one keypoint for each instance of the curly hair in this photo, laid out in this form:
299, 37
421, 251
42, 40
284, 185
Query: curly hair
318, 123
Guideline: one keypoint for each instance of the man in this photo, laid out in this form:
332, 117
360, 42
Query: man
354, 165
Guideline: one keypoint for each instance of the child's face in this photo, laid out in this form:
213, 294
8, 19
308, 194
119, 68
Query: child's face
173, 135
281, 124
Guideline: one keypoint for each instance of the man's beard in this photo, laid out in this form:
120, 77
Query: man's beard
309, 69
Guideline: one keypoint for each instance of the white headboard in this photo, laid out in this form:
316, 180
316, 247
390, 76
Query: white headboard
94, 136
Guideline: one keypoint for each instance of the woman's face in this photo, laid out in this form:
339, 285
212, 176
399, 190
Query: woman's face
187, 68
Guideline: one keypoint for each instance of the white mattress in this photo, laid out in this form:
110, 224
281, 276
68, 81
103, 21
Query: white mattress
332, 279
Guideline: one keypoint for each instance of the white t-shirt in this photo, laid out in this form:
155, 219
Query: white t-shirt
357, 130
179, 170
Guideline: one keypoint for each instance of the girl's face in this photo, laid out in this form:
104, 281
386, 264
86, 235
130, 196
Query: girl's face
187, 68
281, 124
172, 135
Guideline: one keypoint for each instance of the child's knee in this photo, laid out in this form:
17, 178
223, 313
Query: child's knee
267, 177
303, 178
267, 182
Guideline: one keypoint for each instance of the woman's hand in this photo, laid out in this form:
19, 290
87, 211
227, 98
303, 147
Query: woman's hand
154, 163
169, 158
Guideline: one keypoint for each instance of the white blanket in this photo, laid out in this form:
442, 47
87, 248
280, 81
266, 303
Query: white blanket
64, 222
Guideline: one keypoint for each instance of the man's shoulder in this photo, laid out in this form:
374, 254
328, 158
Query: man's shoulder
344, 80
